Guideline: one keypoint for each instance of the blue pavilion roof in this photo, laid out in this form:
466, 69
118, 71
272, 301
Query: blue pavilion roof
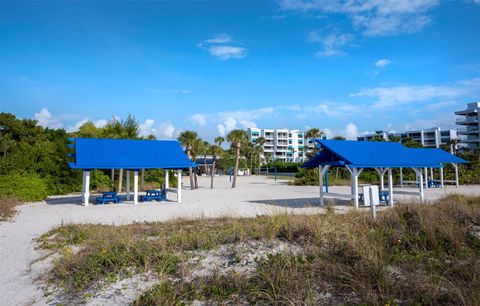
371, 154
90, 153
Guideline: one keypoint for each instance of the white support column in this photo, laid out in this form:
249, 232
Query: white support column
355, 187
420, 183
320, 183
431, 174
167, 182
381, 172
128, 186
179, 186
86, 190
135, 187
401, 177
426, 177
441, 176
456, 175
390, 187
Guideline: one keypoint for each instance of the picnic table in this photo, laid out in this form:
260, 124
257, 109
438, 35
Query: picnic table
434, 183
383, 196
109, 197
154, 195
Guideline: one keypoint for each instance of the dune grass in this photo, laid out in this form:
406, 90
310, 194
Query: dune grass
412, 254
7, 207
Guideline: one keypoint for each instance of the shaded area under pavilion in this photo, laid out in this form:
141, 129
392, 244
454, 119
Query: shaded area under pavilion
356, 156
130, 155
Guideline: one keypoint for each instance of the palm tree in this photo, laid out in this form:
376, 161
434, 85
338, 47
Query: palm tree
312, 133
338, 138
206, 147
219, 140
237, 138
453, 143
197, 148
260, 142
187, 138
216, 151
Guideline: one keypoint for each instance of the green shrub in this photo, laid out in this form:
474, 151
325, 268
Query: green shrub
25, 187
99, 180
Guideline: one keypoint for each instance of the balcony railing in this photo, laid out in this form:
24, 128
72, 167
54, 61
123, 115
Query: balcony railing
466, 120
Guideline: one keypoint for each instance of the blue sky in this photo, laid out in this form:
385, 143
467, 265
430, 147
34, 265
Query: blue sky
346, 67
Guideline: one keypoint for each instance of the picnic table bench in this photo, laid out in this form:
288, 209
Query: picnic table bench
154, 195
109, 197
434, 183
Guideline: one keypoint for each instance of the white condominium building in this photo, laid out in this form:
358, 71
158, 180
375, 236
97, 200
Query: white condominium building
280, 144
470, 122
429, 138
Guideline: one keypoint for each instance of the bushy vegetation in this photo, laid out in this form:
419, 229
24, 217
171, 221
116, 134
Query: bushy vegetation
24, 187
413, 254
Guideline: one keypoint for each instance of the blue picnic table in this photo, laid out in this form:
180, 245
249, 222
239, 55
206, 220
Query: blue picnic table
434, 183
154, 195
109, 197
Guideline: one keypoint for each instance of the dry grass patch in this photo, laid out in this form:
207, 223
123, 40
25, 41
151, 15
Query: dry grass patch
412, 254
7, 207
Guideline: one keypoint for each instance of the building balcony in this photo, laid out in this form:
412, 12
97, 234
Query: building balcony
467, 120
477, 139
465, 131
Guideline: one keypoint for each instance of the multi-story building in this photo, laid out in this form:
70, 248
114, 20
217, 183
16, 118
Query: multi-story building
470, 122
430, 138
280, 144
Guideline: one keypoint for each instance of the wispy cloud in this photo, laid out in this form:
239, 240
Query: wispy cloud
382, 62
47, 120
223, 47
199, 119
333, 43
165, 130
373, 17
406, 94
171, 91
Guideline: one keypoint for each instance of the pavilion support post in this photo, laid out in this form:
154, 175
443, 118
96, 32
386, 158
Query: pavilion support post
381, 173
390, 187
135, 187
320, 180
418, 171
457, 184
179, 186
426, 177
401, 177
167, 182
431, 174
86, 187
355, 187
441, 176
128, 185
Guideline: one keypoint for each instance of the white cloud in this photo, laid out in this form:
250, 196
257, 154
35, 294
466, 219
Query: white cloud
328, 132
167, 130
220, 39
405, 94
373, 17
333, 43
223, 47
100, 123
227, 52
46, 119
199, 119
383, 62
221, 129
146, 128
350, 131
171, 91
247, 124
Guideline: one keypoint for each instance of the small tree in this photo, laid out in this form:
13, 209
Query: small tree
187, 138
216, 151
237, 138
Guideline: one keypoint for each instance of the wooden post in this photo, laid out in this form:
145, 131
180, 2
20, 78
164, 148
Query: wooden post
128, 185
179, 186
422, 196
426, 177
135, 187
373, 207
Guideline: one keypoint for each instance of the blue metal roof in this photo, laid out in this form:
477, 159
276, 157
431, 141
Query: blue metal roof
370, 154
90, 153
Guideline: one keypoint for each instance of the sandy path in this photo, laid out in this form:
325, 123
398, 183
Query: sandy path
254, 196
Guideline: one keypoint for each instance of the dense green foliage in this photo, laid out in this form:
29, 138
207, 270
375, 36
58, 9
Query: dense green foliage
24, 187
